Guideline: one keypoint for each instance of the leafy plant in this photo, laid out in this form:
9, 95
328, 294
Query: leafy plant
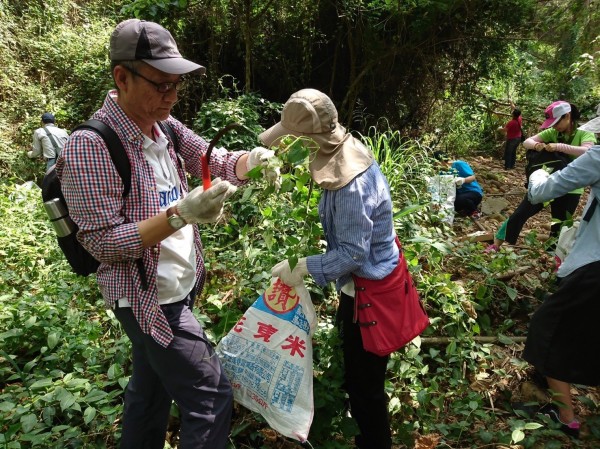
246, 109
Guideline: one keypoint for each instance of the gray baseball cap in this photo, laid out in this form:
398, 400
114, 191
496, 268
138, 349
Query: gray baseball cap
135, 39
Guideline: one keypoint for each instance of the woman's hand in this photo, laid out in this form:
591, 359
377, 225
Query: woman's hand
539, 146
552, 147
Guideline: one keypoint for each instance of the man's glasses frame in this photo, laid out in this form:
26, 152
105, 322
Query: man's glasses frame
162, 88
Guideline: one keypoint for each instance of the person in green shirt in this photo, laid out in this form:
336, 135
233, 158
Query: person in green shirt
561, 135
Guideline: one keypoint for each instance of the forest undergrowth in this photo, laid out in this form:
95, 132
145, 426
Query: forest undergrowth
64, 360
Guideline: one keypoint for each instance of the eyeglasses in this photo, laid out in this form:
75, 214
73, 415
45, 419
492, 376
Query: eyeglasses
163, 88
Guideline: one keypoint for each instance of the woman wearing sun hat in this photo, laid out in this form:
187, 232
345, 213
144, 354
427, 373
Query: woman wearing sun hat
559, 134
356, 213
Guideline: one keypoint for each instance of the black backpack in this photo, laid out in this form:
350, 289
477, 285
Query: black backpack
81, 261
545, 159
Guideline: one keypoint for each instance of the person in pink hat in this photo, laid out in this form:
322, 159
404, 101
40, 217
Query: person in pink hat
561, 136
564, 326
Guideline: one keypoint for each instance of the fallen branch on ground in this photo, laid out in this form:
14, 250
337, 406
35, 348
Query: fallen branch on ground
510, 274
478, 339
505, 193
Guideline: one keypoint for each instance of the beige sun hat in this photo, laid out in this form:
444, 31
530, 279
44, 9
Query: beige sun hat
337, 156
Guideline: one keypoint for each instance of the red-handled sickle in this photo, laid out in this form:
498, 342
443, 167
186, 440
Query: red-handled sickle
205, 158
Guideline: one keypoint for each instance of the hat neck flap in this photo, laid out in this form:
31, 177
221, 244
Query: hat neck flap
333, 166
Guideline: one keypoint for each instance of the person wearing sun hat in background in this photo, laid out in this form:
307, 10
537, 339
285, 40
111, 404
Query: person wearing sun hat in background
559, 134
147, 242
564, 328
356, 215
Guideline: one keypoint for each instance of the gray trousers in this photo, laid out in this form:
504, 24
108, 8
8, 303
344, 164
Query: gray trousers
187, 372
50, 162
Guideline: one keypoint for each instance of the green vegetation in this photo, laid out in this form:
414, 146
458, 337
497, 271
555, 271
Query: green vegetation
411, 77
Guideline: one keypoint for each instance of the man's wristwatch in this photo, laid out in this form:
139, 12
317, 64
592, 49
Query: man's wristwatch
174, 219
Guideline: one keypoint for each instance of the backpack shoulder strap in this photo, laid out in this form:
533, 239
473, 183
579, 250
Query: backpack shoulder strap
115, 148
166, 128
52, 141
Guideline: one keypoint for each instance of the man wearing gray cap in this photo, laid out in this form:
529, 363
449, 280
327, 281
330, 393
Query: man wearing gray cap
150, 253
48, 140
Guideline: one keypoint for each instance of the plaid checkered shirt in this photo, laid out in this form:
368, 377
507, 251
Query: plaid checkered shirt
108, 221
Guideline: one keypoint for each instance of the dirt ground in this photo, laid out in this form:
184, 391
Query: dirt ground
503, 191
506, 186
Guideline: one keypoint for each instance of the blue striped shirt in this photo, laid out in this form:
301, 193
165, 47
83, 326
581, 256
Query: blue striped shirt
359, 229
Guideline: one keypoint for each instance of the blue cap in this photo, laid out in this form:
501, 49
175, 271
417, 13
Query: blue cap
47, 117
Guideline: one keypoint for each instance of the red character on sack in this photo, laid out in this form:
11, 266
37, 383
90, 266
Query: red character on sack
265, 331
295, 345
239, 327
281, 298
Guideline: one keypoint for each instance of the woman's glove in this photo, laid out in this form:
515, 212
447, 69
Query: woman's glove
261, 157
201, 206
459, 181
290, 277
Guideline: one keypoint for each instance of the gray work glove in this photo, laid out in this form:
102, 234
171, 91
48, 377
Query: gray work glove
290, 277
266, 159
199, 206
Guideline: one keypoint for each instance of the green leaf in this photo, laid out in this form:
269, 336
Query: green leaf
114, 371
14, 332
297, 152
30, 322
486, 436
66, 399
53, 340
28, 422
532, 426
407, 210
76, 384
481, 292
42, 383
7, 406
95, 395
89, 415
511, 292
517, 435
123, 381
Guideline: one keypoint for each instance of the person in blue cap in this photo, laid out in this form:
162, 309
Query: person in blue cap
468, 191
48, 140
